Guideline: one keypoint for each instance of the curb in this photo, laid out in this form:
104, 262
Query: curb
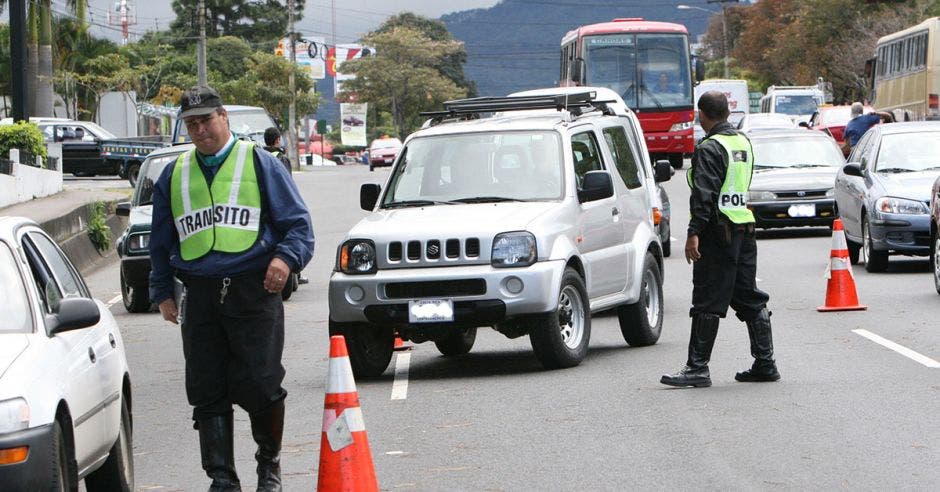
70, 231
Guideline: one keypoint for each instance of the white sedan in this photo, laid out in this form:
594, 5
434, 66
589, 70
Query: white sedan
65, 391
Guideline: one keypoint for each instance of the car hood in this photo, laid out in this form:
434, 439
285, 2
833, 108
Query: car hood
915, 186
451, 220
11, 346
142, 215
385, 151
788, 178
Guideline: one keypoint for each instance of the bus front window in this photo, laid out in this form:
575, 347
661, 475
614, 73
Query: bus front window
611, 63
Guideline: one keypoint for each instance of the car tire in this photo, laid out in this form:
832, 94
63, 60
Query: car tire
289, 287
133, 172
62, 477
136, 298
117, 473
560, 338
875, 261
370, 347
457, 342
935, 259
641, 323
667, 244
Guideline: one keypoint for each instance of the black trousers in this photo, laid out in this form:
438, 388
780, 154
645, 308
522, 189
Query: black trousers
232, 345
726, 274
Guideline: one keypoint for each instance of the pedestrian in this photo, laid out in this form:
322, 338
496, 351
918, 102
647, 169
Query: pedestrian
722, 247
229, 223
860, 123
272, 143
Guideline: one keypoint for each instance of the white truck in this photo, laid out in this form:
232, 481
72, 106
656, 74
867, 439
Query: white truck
797, 101
734, 89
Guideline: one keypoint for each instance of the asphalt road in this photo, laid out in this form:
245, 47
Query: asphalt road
849, 413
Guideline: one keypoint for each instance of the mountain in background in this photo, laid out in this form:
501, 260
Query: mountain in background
515, 45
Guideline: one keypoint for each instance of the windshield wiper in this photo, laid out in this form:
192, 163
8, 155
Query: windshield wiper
809, 165
487, 199
414, 203
894, 170
933, 168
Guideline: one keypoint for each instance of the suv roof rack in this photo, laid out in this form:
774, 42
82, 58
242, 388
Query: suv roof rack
576, 103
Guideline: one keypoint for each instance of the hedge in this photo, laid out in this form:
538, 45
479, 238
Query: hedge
24, 136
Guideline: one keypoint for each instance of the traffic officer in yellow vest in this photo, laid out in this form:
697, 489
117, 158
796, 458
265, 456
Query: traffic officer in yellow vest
272, 143
722, 245
229, 223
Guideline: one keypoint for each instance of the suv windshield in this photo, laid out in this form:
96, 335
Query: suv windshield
149, 173
478, 167
796, 105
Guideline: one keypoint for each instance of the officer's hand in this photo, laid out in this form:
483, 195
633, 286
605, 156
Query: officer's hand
691, 249
168, 310
276, 276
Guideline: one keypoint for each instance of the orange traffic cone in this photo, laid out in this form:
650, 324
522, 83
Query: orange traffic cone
840, 291
399, 344
345, 458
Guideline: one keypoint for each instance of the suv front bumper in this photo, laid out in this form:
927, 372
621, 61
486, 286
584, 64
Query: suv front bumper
477, 291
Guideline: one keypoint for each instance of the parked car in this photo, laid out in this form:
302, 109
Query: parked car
65, 389
832, 120
794, 174
934, 234
525, 221
133, 246
883, 193
758, 121
382, 151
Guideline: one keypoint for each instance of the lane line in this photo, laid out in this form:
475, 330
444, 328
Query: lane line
400, 386
113, 301
906, 352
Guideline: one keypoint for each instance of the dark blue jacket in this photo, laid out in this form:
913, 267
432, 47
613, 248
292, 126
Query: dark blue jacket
286, 230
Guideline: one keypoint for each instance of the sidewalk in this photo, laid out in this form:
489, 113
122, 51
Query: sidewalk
64, 216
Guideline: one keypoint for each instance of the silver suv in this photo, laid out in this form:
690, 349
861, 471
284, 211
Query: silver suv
527, 221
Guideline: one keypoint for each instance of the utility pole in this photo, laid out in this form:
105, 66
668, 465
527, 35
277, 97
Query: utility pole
201, 45
18, 59
291, 86
724, 32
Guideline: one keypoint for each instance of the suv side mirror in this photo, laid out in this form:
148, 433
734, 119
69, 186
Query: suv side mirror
852, 169
368, 196
804, 124
123, 209
699, 68
663, 170
596, 185
73, 314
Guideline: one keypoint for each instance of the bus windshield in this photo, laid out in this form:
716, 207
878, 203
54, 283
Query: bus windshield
650, 71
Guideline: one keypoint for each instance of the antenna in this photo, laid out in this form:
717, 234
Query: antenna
122, 14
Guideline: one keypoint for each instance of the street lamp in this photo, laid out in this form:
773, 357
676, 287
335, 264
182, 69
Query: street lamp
724, 31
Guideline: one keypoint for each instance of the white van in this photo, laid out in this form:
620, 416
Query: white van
734, 89
798, 101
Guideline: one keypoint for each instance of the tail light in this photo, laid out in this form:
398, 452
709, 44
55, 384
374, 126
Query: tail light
933, 108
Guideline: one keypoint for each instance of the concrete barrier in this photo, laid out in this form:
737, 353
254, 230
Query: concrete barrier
28, 182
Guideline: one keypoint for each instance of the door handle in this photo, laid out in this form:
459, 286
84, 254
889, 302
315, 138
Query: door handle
615, 212
91, 355
111, 339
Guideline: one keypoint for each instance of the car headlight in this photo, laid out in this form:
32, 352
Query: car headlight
138, 242
356, 257
513, 249
14, 415
678, 127
831, 192
761, 196
892, 205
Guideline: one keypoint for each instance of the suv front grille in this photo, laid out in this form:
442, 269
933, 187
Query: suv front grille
438, 288
432, 250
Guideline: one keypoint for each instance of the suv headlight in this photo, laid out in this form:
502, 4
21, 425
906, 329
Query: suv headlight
831, 192
513, 249
892, 205
357, 257
14, 415
761, 196
138, 242
678, 127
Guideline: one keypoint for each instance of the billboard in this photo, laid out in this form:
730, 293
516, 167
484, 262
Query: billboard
311, 55
341, 53
353, 119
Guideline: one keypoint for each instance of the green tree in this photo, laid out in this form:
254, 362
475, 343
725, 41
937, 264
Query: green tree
402, 78
253, 20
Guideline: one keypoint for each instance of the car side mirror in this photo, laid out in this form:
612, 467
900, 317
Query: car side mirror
123, 209
368, 196
852, 169
596, 186
577, 71
804, 124
74, 313
699, 68
663, 171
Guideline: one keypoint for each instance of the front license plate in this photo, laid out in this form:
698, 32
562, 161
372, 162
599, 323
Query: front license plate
389, 161
430, 311
808, 210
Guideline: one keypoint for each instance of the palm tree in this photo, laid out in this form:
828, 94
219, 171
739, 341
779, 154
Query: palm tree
44, 70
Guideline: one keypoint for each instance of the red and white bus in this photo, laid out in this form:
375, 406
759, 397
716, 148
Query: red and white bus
649, 64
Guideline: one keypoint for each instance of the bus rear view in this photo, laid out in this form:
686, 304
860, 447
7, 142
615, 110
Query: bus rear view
649, 65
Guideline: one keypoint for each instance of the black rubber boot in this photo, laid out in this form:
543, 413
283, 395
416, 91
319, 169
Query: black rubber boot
764, 368
695, 373
216, 444
267, 428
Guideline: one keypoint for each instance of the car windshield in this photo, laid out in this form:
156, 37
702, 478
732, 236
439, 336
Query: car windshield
14, 303
149, 173
386, 143
478, 167
796, 105
905, 152
790, 151
99, 131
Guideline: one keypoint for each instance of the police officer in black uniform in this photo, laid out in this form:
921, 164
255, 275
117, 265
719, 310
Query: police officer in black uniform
722, 246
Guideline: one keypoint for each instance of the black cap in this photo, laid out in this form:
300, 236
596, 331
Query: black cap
199, 100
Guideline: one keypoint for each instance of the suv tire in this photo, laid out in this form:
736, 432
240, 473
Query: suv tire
560, 338
369, 346
457, 342
136, 298
641, 323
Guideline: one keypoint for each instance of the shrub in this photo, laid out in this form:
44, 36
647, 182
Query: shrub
98, 230
24, 136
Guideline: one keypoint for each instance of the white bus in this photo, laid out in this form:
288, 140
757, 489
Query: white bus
906, 77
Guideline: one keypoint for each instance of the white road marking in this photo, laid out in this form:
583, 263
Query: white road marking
114, 300
906, 352
400, 386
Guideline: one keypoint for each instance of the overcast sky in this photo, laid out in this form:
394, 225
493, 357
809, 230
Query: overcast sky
353, 17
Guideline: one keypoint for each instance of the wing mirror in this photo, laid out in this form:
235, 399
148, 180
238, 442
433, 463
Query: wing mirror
663, 171
597, 185
123, 209
74, 313
852, 169
368, 196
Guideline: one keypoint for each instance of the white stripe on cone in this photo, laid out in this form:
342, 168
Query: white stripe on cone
340, 376
838, 240
353, 417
